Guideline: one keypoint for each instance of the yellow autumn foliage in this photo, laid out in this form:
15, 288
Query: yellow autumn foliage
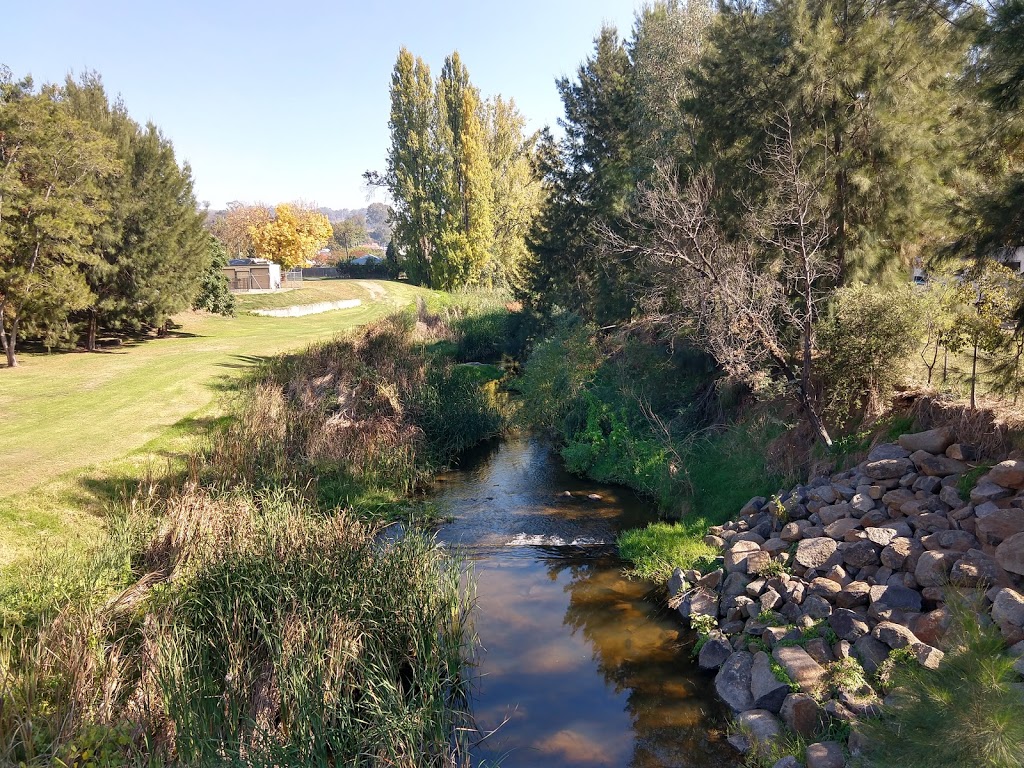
293, 237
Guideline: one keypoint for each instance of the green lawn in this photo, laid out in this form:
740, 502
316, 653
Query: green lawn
311, 292
73, 426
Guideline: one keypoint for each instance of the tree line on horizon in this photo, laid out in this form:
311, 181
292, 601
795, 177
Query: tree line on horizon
99, 228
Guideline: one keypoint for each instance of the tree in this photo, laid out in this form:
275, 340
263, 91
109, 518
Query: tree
215, 295
349, 233
411, 165
752, 298
293, 237
987, 293
516, 194
52, 168
378, 224
234, 227
589, 176
463, 192
872, 85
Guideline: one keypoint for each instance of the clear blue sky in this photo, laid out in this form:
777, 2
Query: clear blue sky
283, 101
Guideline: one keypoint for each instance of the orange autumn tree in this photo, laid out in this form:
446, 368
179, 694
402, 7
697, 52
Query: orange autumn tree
293, 237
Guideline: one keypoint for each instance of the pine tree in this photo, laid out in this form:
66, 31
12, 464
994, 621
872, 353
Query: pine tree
589, 176
869, 84
52, 169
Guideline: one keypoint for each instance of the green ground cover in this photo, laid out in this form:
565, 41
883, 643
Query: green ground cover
74, 426
313, 292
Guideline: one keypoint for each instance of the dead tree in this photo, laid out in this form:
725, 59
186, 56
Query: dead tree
751, 300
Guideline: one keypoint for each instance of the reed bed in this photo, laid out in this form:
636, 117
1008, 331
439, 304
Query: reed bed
259, 612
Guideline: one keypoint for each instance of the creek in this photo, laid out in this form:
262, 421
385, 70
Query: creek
577, 665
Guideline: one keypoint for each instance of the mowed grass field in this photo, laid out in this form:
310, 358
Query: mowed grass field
75, 426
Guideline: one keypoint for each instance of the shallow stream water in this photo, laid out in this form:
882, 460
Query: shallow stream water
577, 665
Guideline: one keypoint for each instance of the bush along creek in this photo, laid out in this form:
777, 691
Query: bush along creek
246, 610
875, 614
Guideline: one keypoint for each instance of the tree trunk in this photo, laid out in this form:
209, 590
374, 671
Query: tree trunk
815, 419
90, 343
9, 341
945, 361
974, 374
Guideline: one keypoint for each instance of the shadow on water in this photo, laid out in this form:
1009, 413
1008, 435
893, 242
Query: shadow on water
578, 665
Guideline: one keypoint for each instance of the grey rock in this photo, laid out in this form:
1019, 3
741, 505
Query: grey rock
951, 496
761, 727
953, 541
884, 469
986, 490
816, 607
735, 584
893, 635
889, 597
1010, 554
888, 451
937, 466
814, 553
933, 569
881, 535
860, 554
927, 656
854, 594
800, 666
1008, 474
896, 553
676, 583
788, 762
840, 528
974, 569
932, 441
768, 691
848, 625
998, 526
802, 714
870, 652
732, 683
714, 652
1008, 607
826, 754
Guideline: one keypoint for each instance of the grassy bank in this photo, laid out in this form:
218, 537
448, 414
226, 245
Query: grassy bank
68, 420
248, 610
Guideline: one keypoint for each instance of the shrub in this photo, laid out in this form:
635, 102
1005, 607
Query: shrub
967, 712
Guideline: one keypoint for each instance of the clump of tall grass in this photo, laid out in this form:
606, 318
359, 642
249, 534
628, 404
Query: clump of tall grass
967, 712
233, 618
262, 631
661, 547
370, 411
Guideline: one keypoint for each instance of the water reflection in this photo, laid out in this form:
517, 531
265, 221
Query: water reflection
582, 666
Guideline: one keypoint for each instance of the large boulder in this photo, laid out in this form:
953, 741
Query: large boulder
1008, 608
761, 728
894, 635
732, 682
1008, 474
800, 666
714, 652
937, 466
932, 441
1010, 554
886, 597
848, 625
887, 451
974, 569
871, 653
933, 569
768, 691
826, 754
802, 714
999, 525
814, 553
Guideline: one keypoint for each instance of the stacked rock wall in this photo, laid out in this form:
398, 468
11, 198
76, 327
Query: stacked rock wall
836, 575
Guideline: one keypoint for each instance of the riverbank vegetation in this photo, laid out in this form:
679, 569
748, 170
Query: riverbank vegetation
250, 607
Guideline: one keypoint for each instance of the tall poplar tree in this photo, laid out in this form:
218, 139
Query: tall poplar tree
411, 165
463, 188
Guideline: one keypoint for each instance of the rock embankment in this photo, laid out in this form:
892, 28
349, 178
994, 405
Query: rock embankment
820, 589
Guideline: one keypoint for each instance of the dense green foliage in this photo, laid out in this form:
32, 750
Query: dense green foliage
460, 178
99, 226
